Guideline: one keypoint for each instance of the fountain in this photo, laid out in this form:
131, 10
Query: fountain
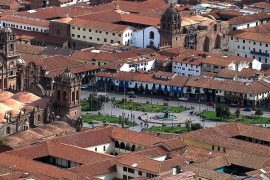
165, 115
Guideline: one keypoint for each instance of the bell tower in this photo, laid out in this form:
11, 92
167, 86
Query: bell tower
170, 28
8, 59
66, 96
8, 42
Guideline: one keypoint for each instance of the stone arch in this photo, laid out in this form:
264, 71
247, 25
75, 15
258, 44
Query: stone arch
133, 147
122, 145
117, 144
218, 41
128, 147
8, 130
37, 89
206, 44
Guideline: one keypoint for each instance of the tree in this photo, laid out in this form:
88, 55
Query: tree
195, 126
237, 112
258, 112
94, 103
188, 125
222, 111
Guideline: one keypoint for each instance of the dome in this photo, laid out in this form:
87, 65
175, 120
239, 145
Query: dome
171, 10
6, 30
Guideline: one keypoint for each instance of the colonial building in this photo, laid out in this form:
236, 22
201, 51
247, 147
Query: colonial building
194, 32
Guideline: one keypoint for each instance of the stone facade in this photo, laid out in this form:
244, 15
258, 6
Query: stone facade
204, 37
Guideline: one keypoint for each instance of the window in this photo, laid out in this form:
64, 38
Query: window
78, 36
104, 148
244, 47
96, 31
213, 147
73, 27
151, 35
140, 173
83, 29
130, 170
79, 28
224, 150
218, 148
125, 169
97, 39
95, 149
254, 43
119, 35
90, 38
105, 40
111, 41
72, 35
244, 41
83, 37
100, 31
89, 30
113, 34
125, 177
266, 45
231, 38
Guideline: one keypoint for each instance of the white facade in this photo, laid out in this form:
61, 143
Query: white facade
101, 36
137, 65
252, 49
245, 25
185, 69
102, 148
24, 26
129, 173
146, 37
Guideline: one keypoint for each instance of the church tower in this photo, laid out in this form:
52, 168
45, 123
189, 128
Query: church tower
66, 97
170, 28
8, 59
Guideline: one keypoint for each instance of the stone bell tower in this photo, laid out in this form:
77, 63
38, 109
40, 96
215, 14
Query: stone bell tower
8, 59
66, 96
170, 28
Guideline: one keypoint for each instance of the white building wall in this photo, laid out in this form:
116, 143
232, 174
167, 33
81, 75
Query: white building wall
186, 69
108, 176
22, 26
144, 66
141, 38
127, 37
102, 148
251, 49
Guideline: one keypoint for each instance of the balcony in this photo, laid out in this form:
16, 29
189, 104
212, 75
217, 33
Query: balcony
260, 53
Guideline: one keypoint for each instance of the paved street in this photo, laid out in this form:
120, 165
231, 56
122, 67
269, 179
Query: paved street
111, 110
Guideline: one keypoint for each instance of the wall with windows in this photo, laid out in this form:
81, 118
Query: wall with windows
144, 66
146, 37
22, 26
108, 176
184, 69
99, 36
252, 49
127, 173
102, 148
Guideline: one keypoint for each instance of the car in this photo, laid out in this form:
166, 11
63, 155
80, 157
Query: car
130, 93
248, 109
85, 86
183, 99
132, 96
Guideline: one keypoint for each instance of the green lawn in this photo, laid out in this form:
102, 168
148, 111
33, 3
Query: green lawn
175, 129
211, 115
146, 107
88, 118
85, 106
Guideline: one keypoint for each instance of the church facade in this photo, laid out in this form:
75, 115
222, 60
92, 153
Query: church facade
20, 109
204, 36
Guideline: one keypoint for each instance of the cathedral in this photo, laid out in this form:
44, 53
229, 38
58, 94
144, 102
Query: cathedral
177, 31
21, 109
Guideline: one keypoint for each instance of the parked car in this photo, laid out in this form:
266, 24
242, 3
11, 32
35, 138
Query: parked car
183, 99
248, 109
130, 93
132, 96
85, 86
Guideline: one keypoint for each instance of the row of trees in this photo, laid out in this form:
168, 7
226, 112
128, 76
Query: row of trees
96, 102
223, 111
